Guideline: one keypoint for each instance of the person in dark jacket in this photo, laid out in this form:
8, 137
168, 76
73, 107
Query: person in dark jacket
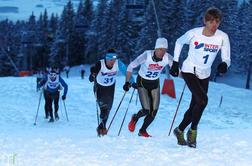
52, 84
103, 74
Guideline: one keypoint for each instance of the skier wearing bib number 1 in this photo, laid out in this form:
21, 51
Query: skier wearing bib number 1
104, 76
204, 44
151, 62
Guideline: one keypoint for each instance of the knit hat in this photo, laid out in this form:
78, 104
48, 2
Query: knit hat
161, 43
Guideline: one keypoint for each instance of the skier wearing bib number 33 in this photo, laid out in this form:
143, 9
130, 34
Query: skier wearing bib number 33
204, 44
104, 76
152, 63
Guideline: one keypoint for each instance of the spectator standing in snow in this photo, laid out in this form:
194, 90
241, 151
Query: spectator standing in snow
67, 70
53, 83
82, 70
204, 44
152, 63
103, 74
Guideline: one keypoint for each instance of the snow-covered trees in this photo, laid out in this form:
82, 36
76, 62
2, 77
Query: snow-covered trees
83, 33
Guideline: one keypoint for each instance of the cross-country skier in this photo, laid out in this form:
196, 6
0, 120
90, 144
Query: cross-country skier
204, 44
151, 62
104, 76
53, 83
82, 70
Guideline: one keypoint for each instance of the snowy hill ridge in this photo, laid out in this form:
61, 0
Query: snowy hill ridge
224, 136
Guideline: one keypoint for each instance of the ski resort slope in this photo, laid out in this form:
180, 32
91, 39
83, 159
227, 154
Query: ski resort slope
224, 134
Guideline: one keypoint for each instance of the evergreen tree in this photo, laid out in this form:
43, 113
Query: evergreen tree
79, 35
66, 28
148, 34
96, 50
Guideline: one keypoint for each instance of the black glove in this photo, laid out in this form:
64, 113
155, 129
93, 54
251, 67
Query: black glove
134, 85
92, 69
64, 97
222, 67
174, 71
126, 86
91, 77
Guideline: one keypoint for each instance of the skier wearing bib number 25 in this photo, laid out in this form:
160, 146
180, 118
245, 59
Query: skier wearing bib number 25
151, 64
204, 44
104, 76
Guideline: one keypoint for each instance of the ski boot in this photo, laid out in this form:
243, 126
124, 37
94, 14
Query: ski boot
144, 134
180, 136
51, 120
191, 138
104, 131
56, 116
132, 123
101, 131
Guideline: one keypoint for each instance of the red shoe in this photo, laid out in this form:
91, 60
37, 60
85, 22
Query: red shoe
132, 124
144, 134
104, 131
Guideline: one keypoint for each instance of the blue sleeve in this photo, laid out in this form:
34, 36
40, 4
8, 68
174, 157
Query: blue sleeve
63, 83
122, 67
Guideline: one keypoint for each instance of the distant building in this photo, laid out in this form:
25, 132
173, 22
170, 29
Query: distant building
136, 10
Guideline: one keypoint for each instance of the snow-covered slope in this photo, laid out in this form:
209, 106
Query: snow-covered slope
224, 136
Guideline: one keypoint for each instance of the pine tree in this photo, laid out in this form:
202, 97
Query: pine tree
66, 28
96, 33
148, 34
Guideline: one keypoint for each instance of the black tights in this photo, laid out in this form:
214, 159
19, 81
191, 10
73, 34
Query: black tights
149, 95
51, 97
198, 88
105, 98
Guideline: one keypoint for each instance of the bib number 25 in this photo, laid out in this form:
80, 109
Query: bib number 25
151, 74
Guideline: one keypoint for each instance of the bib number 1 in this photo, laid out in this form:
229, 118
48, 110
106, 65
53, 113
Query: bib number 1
206, 58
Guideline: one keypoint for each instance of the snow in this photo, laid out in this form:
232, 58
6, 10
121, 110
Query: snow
224, 134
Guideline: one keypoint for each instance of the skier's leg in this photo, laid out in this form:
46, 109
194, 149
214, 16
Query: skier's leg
155, 100
56, 104
144, 97
48, 103
187, 116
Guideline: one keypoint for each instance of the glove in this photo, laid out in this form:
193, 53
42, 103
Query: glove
174, 71
92, 69
126, 86
134, 85
64, 97
222, 67
91, 77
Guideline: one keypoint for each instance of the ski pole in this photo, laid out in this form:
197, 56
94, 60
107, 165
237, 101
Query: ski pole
97, 110
126, 112
220, 101
61, 108
177, 108
65, 110
40, 95
116, 111
136, 98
